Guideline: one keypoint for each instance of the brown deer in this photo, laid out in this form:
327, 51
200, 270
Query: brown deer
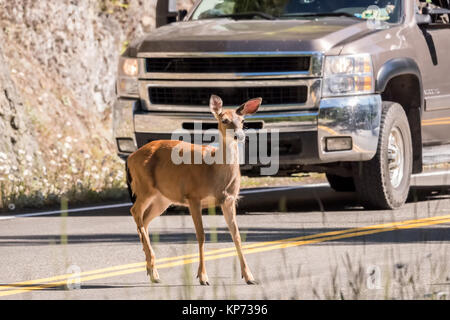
155, 182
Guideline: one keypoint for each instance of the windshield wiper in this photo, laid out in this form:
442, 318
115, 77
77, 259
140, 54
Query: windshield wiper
321, 14
244, 15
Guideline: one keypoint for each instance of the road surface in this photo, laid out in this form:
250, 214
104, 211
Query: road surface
306, 242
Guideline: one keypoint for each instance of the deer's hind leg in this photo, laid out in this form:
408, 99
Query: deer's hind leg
140, 210
156, 208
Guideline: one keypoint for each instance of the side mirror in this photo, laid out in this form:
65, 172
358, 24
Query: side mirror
181, 15
423, 19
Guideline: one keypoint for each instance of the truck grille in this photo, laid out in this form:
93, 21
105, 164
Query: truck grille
228, 65
231, 96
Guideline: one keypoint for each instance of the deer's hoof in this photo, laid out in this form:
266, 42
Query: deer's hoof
154, 276
252, 283
204, 283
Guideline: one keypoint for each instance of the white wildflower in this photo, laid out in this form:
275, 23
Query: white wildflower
53, 162
26, 173
3, 156
11, 177
20, 151
29, 158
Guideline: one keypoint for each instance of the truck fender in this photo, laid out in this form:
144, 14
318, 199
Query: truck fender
397, 67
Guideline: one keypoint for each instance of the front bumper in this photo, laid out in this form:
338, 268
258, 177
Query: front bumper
302, 134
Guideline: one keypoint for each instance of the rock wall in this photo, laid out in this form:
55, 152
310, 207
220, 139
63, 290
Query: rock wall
58, 65
14, 126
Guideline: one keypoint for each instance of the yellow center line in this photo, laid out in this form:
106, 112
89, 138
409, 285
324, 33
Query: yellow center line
436, 119
435, 123
22, 287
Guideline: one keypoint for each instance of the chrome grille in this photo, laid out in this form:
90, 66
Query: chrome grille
229, 64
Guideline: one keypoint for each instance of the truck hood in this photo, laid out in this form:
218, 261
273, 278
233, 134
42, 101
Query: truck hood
221, 35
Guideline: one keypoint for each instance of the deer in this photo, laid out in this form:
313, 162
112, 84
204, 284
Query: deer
155, 183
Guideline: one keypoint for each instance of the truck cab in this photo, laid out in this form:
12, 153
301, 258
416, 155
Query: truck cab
359, 90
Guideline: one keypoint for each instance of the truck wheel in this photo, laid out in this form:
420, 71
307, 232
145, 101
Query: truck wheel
341, 184
384, 182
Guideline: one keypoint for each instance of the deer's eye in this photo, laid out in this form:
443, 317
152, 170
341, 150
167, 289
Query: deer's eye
226, 121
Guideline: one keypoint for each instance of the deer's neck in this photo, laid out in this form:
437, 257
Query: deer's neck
229, 151
229, 170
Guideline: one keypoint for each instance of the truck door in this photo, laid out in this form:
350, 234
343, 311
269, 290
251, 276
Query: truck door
436, 79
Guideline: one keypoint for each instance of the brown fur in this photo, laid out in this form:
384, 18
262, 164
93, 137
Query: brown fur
157, 183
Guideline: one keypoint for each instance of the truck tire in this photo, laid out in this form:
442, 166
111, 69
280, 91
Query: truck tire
384, 182
341, 184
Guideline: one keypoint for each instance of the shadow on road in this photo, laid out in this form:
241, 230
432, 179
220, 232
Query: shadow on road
221, 235
293, 199
307, 199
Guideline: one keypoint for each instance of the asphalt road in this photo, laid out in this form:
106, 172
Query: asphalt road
301, 243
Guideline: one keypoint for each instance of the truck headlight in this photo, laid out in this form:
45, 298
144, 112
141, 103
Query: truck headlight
127, 82
129, 67
347, 75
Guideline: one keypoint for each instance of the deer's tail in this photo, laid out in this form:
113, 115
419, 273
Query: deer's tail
129, 180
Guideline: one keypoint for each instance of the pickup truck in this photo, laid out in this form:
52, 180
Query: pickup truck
357, 89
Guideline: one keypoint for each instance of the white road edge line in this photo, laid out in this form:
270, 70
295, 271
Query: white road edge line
244, 192
129, 204
48, 213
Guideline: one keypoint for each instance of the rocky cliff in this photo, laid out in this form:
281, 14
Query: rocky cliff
58, 62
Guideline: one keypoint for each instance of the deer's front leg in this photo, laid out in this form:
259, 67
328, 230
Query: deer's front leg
229, 213
196, 213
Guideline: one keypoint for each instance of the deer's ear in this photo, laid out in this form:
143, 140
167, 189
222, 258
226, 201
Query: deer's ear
216, 105
250, 107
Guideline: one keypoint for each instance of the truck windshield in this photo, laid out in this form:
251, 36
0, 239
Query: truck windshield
386, 10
